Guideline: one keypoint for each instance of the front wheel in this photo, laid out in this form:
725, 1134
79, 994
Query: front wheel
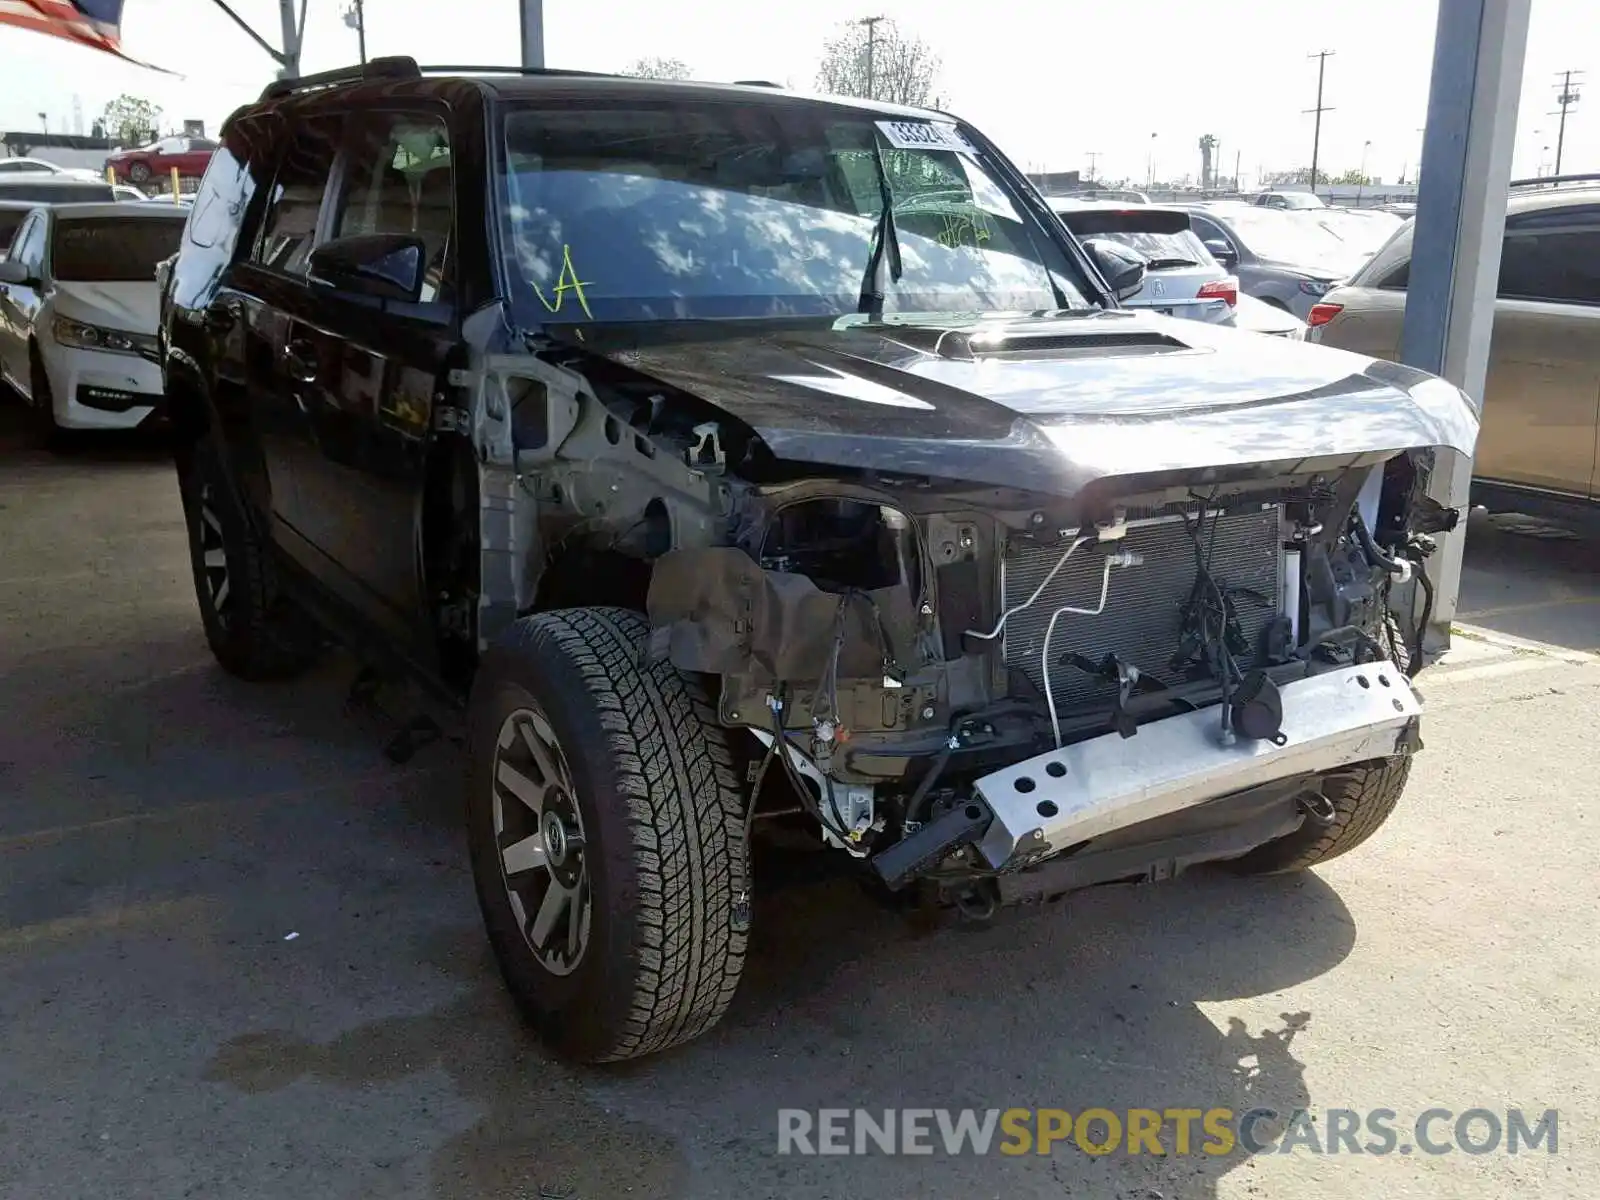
139, 172
1361, 799
606, 832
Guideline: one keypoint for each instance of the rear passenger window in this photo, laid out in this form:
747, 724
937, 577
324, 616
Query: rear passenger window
399, 181
1561, 265
1397, 279
290, 226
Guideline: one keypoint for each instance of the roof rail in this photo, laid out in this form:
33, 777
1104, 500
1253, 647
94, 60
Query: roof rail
492, 70
391, 67
1552, 180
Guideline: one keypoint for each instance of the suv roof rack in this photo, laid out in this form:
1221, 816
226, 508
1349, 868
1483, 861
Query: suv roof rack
493, 70
1553, 180
756, 83
397, 66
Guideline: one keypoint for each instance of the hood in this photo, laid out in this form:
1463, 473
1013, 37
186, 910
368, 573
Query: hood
129, 307
1048, 402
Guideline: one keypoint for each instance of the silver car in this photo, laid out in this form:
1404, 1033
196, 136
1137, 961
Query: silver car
1181, 279
1285, 259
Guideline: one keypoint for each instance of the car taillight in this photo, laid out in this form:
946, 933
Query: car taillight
1321, 314
1220, 289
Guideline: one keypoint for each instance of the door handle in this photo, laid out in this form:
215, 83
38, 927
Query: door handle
300, 361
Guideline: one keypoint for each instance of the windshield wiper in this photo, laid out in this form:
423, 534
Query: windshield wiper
883, 238
1164, 264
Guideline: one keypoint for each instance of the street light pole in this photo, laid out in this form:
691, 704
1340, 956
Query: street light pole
355, 17
872, 47
1361, 183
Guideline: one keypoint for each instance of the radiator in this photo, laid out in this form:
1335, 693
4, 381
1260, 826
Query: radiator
1144, 607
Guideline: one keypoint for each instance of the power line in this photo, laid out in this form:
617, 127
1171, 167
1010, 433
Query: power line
1566, 97
1316, 136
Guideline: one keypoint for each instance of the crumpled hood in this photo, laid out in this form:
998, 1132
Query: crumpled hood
1048, 402
132, 307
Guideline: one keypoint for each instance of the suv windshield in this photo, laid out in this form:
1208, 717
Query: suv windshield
113, 249
697, 211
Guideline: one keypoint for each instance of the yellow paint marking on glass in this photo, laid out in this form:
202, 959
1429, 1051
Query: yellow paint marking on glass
567, 281
964, 230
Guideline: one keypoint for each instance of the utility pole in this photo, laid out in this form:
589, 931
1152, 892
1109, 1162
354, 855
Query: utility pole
1316, 137
356, 19
1093, 155
533, 33
1566, 97
872, 46
1237, 156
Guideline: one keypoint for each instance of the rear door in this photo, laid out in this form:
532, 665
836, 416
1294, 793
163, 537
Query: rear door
367, 371
1542, 401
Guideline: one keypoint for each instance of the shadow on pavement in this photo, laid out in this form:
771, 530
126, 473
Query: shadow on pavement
1532, 578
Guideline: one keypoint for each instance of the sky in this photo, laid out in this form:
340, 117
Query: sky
1052, 82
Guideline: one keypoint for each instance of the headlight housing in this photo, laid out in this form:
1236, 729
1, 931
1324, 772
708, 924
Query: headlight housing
81, 336
1316, 287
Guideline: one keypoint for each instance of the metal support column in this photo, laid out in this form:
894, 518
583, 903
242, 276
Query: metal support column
1478, 54
290, 68
532, 33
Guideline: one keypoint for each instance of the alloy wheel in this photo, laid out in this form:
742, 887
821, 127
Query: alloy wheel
213, 554
539, 834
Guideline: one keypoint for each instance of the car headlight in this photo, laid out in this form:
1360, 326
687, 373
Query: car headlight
1316, 287
78, 335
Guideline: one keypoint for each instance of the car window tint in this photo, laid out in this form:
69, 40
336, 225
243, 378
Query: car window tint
289, 230
1562, 265
399, 182
10, 221
1397, 278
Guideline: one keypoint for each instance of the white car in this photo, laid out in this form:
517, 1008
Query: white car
38, 166
78, 312
1182, 279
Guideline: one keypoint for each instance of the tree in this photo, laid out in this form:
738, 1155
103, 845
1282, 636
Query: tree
876, 61
1355, 178
131, 121
1301, 176
659, 68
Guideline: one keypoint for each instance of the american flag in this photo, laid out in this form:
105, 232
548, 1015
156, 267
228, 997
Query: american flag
96, 23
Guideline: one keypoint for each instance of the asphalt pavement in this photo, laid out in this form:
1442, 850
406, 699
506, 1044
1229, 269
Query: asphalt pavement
240, 956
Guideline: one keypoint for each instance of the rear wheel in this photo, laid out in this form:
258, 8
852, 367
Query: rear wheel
606, 831
254, 631
139, 172
1359, 800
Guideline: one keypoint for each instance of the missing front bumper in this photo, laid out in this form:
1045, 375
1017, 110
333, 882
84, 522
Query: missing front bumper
1068, 796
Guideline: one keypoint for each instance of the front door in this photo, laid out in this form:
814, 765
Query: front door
367, 370
1541, 409
19, 302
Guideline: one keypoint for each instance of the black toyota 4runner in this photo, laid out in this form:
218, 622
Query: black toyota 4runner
737, 459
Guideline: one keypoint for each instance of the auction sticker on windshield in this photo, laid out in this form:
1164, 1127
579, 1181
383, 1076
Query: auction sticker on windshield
923, 135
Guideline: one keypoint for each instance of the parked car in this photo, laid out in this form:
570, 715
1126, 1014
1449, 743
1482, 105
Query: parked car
38, 166
727, 486
78, 306
190, 155
1260, 317
1281, 258
1290, 200
1363, 230
54, 189
1541, 404
1181, 278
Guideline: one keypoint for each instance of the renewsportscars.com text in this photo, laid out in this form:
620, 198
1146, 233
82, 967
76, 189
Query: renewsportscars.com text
1180, 1131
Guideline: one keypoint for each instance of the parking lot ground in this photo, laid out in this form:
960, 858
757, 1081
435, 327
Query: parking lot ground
240, 957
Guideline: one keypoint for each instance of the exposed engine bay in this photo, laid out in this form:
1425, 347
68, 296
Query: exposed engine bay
960, 682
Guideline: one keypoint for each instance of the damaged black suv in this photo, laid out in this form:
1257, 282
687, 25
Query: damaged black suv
743, 462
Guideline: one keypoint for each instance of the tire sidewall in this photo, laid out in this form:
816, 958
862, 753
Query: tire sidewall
581, 1012
200, 469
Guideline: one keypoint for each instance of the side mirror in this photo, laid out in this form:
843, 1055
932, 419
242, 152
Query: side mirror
1223, 252
15, 272
1122, 268
388, 266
